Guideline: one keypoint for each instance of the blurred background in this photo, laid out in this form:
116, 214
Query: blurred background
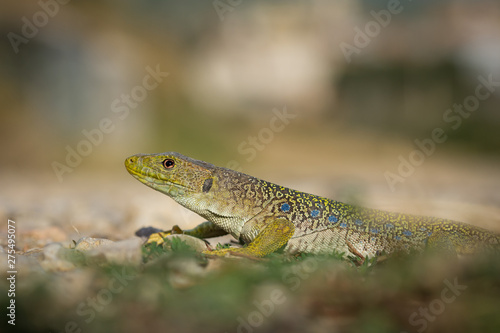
321, 96
338, 98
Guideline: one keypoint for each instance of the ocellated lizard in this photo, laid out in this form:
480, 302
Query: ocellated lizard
267, 217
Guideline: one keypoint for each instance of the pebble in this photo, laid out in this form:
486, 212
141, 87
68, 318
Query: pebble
125, 252
88, 243
196, 244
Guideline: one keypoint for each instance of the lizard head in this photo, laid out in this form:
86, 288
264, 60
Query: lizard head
212, 192
171, 173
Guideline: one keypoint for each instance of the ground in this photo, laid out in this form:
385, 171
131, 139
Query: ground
67, 282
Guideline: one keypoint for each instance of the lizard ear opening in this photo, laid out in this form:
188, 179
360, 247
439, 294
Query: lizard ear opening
207, 185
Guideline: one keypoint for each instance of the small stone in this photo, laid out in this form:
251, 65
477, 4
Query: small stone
128, 251
198, 245
88, 243
50, 251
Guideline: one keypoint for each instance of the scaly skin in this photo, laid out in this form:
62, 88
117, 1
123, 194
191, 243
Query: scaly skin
267, 217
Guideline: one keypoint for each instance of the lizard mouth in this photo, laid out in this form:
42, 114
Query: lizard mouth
148, 176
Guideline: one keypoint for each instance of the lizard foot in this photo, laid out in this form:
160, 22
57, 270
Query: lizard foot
158, 237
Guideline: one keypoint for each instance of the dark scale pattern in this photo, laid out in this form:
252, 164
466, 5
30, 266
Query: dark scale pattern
370, 231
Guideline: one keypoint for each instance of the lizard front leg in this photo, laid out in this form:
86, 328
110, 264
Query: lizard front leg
275, 235
203, 230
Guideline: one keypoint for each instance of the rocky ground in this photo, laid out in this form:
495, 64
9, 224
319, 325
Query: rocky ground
81, 268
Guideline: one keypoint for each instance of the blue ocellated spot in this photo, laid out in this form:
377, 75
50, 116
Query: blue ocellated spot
315, 213
358, 222
332, 219
407, 233
423, 228
397, 237
374, 231
343, 225
285, 207
429, 233
389, 225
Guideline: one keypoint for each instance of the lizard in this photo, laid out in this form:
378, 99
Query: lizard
267, 217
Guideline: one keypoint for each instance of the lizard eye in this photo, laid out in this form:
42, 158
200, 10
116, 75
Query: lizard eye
168, 163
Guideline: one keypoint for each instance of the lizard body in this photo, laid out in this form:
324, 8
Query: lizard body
267, 217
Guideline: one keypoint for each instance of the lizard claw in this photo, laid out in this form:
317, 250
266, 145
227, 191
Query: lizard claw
158, 237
